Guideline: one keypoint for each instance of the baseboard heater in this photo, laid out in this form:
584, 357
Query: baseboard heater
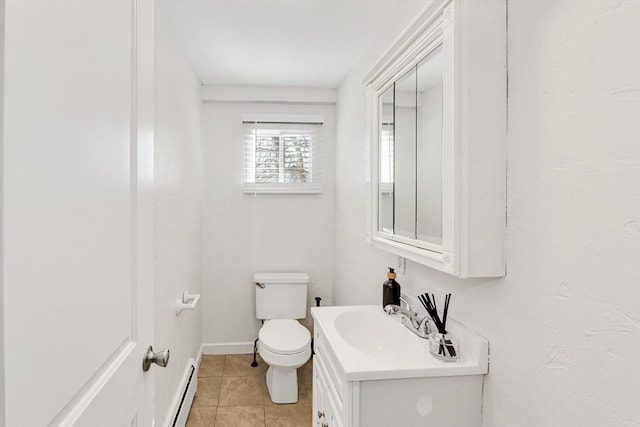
189, 391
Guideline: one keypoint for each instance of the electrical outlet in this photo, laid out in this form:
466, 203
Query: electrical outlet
401, 263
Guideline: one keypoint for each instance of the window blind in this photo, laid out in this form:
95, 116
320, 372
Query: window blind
282, 157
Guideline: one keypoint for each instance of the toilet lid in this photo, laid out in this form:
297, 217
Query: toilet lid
284, 336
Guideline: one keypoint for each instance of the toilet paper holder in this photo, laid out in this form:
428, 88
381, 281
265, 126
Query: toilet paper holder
187, 302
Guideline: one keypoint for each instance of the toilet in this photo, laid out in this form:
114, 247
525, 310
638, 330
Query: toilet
283, 343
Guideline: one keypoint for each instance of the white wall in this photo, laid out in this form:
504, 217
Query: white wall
564, 324
359, 270
244, 234
178, 213
2, 405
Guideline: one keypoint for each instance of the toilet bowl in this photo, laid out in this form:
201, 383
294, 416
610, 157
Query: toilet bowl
284, 345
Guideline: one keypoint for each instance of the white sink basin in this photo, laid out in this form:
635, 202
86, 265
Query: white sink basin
365, 344
379, 335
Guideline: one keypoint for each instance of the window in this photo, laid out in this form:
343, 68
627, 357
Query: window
282, 157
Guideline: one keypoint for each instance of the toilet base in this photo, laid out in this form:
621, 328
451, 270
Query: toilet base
282, 384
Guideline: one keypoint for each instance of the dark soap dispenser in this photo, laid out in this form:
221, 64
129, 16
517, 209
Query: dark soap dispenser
390, 290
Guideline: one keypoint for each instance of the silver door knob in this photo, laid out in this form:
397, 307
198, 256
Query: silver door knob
160, 358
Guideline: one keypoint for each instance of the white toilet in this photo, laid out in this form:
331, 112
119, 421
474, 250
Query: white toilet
283, 343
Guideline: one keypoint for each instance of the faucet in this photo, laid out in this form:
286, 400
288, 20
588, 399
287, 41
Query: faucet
409, 318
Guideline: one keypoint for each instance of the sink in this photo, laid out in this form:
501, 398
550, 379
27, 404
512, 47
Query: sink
363, 343
365, 356
379, 335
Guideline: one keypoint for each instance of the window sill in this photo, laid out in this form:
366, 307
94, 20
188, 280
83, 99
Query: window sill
276, 188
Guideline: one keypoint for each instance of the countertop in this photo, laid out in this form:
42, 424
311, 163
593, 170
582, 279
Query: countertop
358, 365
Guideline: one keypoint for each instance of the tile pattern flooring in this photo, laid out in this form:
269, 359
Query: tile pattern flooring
232, 393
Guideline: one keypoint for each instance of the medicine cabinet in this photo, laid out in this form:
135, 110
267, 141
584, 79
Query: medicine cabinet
437, 131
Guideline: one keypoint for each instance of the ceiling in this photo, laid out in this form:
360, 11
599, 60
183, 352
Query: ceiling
295, 43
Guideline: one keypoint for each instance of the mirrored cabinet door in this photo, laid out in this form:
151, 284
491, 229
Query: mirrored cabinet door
404, 201
386, 161
410, 150
429, 149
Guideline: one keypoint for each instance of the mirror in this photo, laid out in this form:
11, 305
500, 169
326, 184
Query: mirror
429, 149
386, 173
404, 200
410, 154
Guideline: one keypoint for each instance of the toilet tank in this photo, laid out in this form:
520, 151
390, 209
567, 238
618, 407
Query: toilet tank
281, 295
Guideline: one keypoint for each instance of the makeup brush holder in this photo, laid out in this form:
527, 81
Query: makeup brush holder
444, 346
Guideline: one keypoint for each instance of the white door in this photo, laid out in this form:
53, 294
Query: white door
78, 212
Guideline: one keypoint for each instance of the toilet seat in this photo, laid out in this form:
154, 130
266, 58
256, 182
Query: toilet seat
284, 336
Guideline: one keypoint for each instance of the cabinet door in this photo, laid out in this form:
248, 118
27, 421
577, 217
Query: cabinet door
325, 409
333, 415
319, 394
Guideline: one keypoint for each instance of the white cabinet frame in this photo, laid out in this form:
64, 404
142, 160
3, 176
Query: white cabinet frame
473, 38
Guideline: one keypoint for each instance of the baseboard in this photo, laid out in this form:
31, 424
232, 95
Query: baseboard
181, 404
199, 358
228, 348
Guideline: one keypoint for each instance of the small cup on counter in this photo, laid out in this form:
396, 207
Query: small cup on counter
444, 346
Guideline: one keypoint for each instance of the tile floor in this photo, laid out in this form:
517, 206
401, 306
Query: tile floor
232, 393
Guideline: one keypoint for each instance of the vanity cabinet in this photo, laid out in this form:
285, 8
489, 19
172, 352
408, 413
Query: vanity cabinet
437, 127
353, 389
326, 411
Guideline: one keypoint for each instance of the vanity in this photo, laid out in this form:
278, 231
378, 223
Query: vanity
369, 370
